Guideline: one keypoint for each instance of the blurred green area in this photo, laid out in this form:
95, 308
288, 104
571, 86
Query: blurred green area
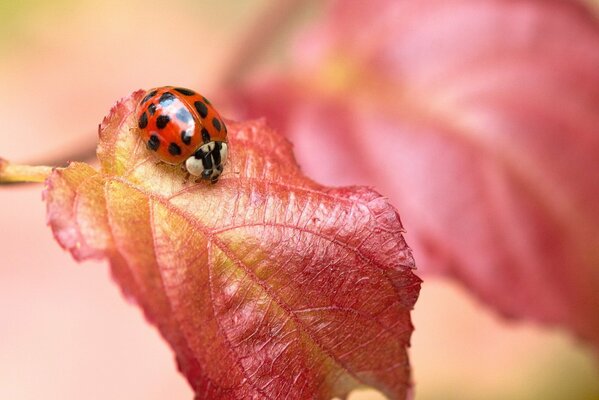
15, 17
461, 351
567, 375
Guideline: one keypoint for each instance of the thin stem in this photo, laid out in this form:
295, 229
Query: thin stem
14, 173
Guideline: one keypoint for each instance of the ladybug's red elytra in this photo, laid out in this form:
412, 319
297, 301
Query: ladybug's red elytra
181, 127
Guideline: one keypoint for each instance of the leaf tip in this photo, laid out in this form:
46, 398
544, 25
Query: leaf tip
124, 103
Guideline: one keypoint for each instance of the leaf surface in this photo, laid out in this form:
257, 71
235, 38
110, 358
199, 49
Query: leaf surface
480, 120
266, 284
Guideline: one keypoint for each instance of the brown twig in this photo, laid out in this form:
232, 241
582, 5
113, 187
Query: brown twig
15, 173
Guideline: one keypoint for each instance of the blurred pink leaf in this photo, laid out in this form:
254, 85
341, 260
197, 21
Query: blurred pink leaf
266, 284
480, 119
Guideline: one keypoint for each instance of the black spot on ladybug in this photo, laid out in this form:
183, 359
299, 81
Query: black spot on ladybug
152, 109
205, 135
166, 99
148, 96
202, 109
153, 143
143, 121
216, 124
216, 153
174, 149
184, 115
185, 92
206, 100
185, 138
162, 121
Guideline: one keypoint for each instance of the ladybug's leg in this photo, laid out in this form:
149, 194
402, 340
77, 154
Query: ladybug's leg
187, 174
186, 178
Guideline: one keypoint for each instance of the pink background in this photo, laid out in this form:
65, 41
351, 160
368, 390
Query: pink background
65, 330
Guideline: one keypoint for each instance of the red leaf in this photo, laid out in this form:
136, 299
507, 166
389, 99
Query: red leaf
480, 120
266, 284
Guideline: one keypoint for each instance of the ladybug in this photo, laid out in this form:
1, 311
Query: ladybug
181, 127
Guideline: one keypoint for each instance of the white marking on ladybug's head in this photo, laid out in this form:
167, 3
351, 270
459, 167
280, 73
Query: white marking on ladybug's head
208, 147
194, 166
224, 152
